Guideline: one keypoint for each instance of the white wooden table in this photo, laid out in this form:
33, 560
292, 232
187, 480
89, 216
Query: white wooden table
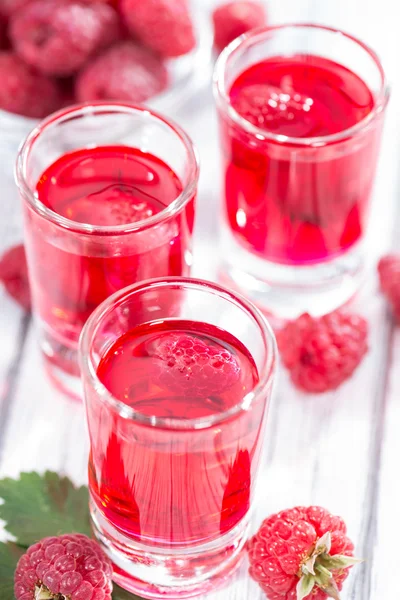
340, 450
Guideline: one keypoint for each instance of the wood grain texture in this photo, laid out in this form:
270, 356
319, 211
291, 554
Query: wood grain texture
13, 323
339, 450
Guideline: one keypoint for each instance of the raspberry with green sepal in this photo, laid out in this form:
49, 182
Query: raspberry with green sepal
301, 554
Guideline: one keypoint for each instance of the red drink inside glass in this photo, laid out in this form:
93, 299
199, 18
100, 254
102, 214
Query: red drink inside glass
103, 186
287, 202
183, 486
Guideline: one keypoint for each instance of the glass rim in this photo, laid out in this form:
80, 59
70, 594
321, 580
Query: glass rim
78, 110
266, 372
221, 93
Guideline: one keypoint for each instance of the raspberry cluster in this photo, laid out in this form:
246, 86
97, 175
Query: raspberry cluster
55, 52
298, 554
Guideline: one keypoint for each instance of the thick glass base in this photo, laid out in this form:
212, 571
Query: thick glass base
169, 573
61, 364
285, 292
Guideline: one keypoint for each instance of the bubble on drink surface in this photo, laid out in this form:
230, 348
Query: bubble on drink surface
270, 107
189, 364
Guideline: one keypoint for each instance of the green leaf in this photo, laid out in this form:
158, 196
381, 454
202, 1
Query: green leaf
9, 556
120, 594
37, 506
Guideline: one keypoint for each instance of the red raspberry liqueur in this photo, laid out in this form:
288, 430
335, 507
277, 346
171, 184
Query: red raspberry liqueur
188, 487
108, 185
103, 187
285, 206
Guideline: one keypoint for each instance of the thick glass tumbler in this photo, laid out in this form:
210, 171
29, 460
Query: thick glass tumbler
300, 110
108, 195
177, 376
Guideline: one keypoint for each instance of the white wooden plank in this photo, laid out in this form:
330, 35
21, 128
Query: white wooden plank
12, 325
387, 527
45, 429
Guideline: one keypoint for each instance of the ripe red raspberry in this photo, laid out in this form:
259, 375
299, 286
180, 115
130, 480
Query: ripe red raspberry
235, 18
3, 37
57, 37
125, 72
25, 92
9, 7
301, 553
189, 366
14, 275
68, 567
389, 275
321, 353
164, 26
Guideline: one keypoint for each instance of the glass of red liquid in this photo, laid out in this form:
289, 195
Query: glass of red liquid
108, 193
177, 375
301, 109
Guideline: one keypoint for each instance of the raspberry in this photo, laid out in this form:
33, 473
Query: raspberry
69, 567
25, 92
292, 552
67, 91
3, 36
14, 276
235, 18
389, 275
125, 72
57, 37
189, 366
9, 7
321, 353
270, 107
164, 26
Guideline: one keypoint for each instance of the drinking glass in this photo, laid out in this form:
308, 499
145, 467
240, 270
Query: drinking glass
295, 209
171, 497
74, 266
